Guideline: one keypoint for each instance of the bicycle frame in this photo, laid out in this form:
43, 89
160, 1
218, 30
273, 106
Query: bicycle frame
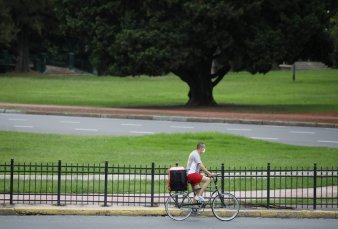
200, 204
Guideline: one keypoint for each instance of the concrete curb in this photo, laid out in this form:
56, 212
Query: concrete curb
7, 211
91, 211
156, 211
173, 118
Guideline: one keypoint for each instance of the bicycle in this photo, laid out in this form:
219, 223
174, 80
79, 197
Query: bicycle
180, 206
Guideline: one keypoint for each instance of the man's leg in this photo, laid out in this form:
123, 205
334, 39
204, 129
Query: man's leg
206, 181
196, 187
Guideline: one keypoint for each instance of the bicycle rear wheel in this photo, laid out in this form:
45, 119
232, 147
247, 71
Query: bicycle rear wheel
178, 206
225, 206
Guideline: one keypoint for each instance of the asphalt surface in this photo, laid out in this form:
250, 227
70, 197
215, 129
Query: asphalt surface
306, 136
98, 222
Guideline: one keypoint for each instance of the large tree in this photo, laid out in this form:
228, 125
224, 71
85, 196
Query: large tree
334, 37
7, 27
31, 21
199, 41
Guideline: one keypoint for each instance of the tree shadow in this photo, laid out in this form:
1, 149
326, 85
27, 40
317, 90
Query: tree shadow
245, 108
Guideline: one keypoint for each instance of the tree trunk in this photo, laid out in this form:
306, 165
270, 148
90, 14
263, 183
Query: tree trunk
22, 62
201, 82
201, 92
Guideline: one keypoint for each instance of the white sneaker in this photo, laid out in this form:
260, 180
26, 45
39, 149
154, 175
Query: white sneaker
199, 198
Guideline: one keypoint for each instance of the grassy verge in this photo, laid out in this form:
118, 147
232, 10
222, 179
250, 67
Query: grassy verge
163, 149
312, 91
141, 186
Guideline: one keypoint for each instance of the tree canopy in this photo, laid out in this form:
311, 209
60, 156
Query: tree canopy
7, 27
334, 37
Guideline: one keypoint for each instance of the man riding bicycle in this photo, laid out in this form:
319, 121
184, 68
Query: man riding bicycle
179, 205
194, 166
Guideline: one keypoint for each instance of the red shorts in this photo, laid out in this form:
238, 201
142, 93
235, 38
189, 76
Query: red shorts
194, 178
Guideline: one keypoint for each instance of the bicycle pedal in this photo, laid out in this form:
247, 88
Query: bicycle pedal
195, 211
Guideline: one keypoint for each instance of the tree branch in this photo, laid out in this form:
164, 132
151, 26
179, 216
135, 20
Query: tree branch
219, 75
219, 78
183, 75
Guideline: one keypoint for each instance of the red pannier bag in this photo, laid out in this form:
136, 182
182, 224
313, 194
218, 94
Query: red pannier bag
177, 179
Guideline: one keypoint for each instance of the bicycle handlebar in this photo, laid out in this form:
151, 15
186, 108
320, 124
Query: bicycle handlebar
215, 177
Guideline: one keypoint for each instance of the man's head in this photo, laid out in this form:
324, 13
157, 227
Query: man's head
201, 147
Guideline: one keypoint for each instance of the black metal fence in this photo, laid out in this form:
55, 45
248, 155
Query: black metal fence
105, 184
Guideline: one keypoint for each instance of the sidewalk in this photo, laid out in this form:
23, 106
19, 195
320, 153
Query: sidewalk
153, 211
204, 114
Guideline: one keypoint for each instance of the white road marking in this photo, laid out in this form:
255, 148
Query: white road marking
141, 132
17, 119
130, 124
4, 114
272, 126
71, 122
219, 123
183, 127
80, 129
159, 121
239, 129
301, 132
18, 126
264, 138
325, 141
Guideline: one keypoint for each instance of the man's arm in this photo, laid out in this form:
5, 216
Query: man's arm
202, 167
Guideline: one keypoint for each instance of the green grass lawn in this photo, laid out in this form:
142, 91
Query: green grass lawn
139, 186
163, 149
274, 92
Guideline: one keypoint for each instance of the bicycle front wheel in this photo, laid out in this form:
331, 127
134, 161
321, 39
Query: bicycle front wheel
178, 206
225, 206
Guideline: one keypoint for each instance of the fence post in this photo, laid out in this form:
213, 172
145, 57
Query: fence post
105, 183
152, 184
294, 72
59, 184
11, 182
268, 186
314, 186
222, 177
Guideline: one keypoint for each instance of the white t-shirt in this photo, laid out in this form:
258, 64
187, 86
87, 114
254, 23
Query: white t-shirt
194, 161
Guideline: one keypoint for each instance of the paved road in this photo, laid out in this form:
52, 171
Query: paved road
307, 136
121, 222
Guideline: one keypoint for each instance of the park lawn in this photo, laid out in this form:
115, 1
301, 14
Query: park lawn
313, 91
163, 149
92, 90
133, 185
